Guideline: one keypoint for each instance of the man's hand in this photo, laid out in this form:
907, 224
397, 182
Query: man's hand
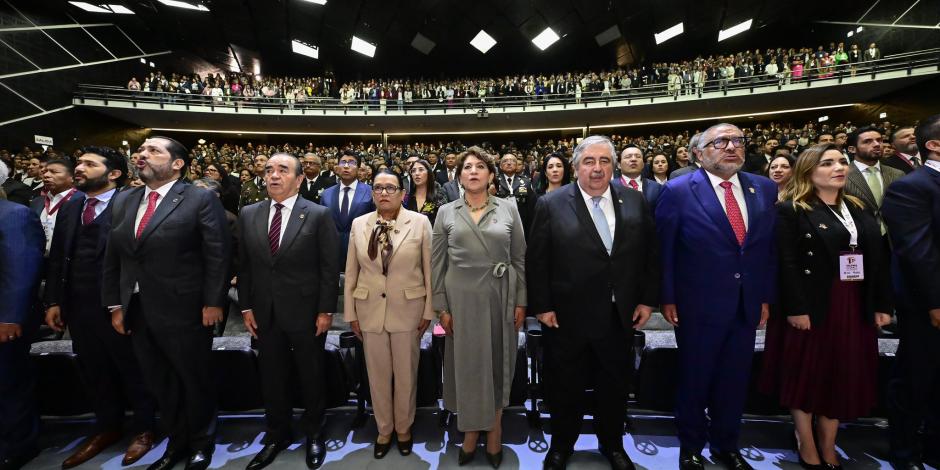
548, 319
117, 321
519, 317
800, 322
354, 326
764, 315
641, 314
54, 318
324, 322
935, 317
10, 332
670, 314
882, 319
248, 316
211, 315
447, 323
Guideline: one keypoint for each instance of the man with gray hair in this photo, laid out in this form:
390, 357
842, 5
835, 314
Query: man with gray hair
717, 229
593, 268
693, 152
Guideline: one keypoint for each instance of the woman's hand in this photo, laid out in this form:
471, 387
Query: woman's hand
520, 317
447, 323
800, 322
882, 319
354, 326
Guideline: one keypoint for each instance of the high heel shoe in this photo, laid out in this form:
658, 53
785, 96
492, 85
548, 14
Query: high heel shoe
381, 450
495, 459
404, 447
809, 466
464, 458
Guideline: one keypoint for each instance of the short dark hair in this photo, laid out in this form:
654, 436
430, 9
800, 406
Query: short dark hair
386, 171
894, 134
629, 146
298, 167
63, 163
927, 130
475, 151
176, 150
830, 134
350, 153
113, 160
852, 140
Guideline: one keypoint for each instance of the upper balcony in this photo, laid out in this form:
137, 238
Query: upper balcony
653, 104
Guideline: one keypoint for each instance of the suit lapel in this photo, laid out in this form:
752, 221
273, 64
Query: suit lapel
858, 180
702, 188
823, 225
401, 231
297, 217
261, 229
173, 197
584, 216
752, 199
618, 216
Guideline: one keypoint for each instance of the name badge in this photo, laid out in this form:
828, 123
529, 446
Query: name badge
851, 266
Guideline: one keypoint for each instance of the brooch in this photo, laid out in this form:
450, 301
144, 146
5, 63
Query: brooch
823, 226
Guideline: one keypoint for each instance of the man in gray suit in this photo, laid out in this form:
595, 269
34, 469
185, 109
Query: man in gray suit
165, 281
288, 286
867, 178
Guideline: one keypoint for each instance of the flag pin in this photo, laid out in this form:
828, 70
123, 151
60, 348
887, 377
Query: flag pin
176, 199
823, 226
301, 216
751, 190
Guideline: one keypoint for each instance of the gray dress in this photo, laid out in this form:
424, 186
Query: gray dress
478, 275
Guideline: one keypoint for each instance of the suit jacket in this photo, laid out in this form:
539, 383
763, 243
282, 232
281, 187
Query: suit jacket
37, 205
312, 193
706, 273
452, 190
181, 260
17, 192
691, 168
651, 190
756, 164
810, 242
869, 55
524, 196
398, 301
898, 163
67, 224
856, 185
360, 204
301, 280
22, 244
569, 270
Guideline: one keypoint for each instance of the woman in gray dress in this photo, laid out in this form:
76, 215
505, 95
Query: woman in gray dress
478, 279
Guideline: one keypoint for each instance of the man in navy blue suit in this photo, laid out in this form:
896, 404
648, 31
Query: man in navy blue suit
716, 227
911, 210
631, 175
21, 249
348, 199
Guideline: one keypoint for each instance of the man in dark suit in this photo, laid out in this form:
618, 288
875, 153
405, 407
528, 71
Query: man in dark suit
593, 276
717, 228
73, 297
165, 282
347, 200
867, 179
906, 157
313, 183
437, 168
452, 190
448, 171
631, 169
911, 211
17, 192
57, 191
511, 184
756, 163
287, 284
21, 248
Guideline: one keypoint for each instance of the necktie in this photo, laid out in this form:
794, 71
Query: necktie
274, 233
600, 221
450, 175
344, 207
509, 183
734, 213
151, 207
634, 185
88, 215
915, 161
874, 183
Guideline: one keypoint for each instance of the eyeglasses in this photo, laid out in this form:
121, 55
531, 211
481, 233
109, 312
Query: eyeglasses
347, 163
722, 142
386, 189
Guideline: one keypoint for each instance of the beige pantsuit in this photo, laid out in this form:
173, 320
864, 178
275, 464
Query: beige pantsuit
389, 309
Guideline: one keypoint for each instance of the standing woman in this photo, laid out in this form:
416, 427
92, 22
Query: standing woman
478, 274
555, 173
387, 303
425, 195
780, 170
822, 360
660, 168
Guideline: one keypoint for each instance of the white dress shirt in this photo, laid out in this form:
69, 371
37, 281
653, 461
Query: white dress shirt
863, 168
607, 206
908, 158
311, 182
103, 200
285, 215
47, 219
626, 182
736, 189
352, 193
508, 180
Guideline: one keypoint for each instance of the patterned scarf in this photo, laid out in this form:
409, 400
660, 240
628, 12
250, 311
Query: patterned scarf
380, 235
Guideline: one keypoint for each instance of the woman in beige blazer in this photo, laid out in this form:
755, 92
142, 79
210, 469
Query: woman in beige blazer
387, 303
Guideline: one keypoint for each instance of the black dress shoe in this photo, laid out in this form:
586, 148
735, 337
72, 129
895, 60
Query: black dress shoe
169, 459
200, 460
691, 460
266, 456
555, 460
829, 466
464, 458
619, 460
495, 459
404, 447
316, 452
381, 450
16, 462
732, 460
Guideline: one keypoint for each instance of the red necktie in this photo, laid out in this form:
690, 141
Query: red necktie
274, 233
734, 213
633, 185
88, 215
151, 208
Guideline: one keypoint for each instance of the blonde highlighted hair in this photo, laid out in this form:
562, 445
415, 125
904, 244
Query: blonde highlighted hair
800, 188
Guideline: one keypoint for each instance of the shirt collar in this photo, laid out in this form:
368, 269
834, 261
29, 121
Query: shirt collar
716, 180
351, 186
56, 197
588, 199
908, 157
162, 190
862, 167
288, 203
103, 197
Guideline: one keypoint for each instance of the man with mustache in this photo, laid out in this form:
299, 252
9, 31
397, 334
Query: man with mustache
73, 297
165, 281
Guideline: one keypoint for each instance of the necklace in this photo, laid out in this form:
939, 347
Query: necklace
476, 209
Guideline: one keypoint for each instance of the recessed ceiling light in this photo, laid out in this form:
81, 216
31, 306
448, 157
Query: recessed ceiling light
363, 47
483, 42
318, 2
120, 9
545, 38
734, 30
186, 5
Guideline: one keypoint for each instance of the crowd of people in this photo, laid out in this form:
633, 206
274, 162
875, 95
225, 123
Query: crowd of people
138, 253
779, 65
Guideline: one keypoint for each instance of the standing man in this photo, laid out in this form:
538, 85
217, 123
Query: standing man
287, 285
631, 177
313, 183
906, 157
449, 171
593, 264
867, 179
511, 184
57, 191
21, 248
165, 282
757, 163
347, 200
73, 297
253, 190
717, 228
912, 212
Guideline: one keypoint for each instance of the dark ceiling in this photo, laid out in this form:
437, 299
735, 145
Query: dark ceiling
260, 31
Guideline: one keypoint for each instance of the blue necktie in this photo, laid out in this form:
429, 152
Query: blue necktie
600, 221
344, 207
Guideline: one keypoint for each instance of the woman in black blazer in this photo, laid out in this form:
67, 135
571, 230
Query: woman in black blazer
822, 348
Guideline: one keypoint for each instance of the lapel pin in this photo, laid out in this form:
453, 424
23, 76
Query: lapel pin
620, 201
176, 199
823, 226
751, 190
396, 230
301, 216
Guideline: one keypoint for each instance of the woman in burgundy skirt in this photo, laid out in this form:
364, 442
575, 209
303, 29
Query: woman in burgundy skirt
822, 350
